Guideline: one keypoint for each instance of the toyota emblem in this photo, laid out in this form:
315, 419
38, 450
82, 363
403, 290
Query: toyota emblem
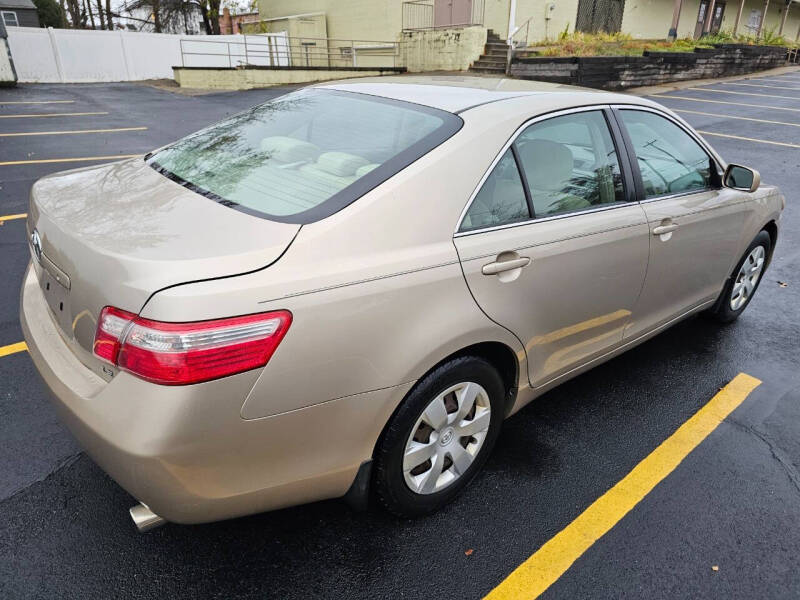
36, 242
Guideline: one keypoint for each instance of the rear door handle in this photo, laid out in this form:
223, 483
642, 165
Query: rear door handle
662, 229
505, 265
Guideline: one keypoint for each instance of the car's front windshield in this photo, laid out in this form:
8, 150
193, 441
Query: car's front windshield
303, 156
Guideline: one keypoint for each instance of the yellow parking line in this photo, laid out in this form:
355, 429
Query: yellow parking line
13, 348
78, 114
747, 139
708, 89
697, 112
5, 218
761, 85
56, 160
552, 560
39, 102
73, 131
725, 102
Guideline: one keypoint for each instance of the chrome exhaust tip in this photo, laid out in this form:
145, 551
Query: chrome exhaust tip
145, 519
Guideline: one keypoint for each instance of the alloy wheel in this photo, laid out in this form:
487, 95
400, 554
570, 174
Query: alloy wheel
745, 283
446, 438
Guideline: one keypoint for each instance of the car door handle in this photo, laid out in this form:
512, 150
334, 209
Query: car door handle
505, 265
662, 229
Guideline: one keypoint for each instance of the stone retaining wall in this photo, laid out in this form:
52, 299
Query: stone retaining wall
653, 68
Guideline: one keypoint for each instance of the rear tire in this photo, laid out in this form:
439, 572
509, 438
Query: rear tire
743, 282
439, 438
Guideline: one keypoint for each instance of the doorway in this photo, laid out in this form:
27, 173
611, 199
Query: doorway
702, 14
452, 12
599, 15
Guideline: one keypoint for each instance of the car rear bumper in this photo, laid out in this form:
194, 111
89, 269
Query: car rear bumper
185, 451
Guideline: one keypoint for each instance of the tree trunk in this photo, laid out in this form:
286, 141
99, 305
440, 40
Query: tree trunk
109, 21
156, 5
87, 5
63, 14
206, 22
213, 14
100, 14
74, 9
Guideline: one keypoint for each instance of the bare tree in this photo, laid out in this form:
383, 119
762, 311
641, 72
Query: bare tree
87, 7
100, 14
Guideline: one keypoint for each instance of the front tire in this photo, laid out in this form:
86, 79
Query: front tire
440, 437
744, 280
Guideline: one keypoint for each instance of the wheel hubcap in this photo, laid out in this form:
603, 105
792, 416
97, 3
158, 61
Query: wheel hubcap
745, 283
446, 438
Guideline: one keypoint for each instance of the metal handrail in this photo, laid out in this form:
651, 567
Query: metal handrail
281, 50
512, 44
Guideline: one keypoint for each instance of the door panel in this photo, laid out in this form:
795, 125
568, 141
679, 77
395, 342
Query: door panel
716, 21
695, 224
462, 12
701, 19
689, 265
571, 302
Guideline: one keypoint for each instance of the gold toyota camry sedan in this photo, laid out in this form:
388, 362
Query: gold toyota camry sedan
346, 290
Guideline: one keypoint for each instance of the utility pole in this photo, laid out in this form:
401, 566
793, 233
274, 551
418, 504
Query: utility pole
763, 18
676, 17
738, 18
785, 14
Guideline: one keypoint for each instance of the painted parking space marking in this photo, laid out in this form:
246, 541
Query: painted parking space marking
716, 91
749, 139
13, 349
37, 102
5, 218
708, 114
724, 102
74, 131
762, 85
65, 114
57, 160
556, 556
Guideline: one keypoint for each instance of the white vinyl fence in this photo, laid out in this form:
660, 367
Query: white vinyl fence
85, 56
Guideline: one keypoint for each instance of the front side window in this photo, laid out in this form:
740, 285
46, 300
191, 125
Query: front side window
10, 18
501, 199
306, 155
570, 164
669, 159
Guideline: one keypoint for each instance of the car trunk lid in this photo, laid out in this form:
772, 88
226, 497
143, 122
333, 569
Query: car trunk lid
115, 234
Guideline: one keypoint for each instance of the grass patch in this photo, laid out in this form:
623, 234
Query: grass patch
622, 44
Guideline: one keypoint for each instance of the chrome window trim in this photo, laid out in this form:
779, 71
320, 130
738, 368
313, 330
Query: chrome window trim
545, 219
704, 146
504, 149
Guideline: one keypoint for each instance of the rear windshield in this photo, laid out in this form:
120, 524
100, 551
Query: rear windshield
306, 155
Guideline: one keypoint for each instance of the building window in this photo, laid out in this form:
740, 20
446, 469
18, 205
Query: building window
10, 18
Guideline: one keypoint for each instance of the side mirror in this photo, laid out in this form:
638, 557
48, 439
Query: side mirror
741, 178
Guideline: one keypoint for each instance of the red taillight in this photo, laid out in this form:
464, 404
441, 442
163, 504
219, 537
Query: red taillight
184, 353
108, 337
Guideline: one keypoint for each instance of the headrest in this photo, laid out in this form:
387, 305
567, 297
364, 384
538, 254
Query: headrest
340, 163
289, 150
547, 164
361, 171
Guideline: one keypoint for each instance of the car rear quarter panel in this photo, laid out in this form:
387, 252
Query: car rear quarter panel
376, 291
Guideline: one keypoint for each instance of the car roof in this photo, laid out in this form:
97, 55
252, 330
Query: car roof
456, 94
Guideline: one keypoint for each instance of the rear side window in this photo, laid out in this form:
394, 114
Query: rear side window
306, 155
570, 163
669, 159
501, 199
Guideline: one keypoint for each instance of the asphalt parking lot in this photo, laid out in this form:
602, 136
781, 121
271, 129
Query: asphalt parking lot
724, 523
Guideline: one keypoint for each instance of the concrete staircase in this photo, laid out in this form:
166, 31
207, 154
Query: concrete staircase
493, 59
